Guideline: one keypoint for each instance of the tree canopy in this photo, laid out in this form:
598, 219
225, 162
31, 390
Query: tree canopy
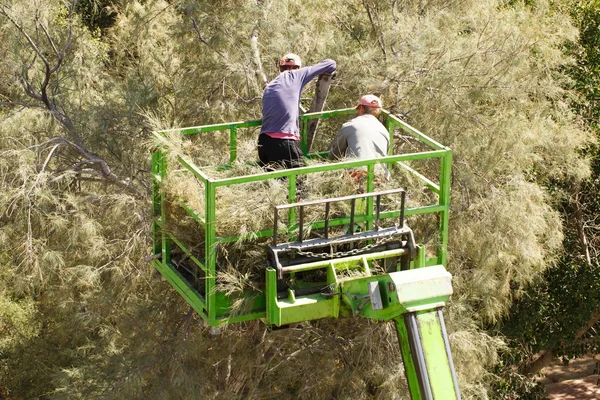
510, 86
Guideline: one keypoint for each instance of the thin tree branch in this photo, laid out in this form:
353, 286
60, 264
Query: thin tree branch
583, 241
200, 37
348, 28
21, 104
260, 75
378, 32
27, 37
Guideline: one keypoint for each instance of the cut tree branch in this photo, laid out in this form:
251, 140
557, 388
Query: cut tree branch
321, 92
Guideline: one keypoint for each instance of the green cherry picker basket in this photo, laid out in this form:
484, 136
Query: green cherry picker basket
358, 258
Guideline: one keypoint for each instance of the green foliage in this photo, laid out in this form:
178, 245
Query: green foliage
550, 315
559, 312
586, 71
508, 384
97, 14
83, 314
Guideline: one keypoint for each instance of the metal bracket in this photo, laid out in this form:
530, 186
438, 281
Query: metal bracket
373, 297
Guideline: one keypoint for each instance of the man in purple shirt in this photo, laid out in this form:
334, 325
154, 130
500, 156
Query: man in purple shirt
279, 134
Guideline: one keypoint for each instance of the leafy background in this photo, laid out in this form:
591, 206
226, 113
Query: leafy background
510, 86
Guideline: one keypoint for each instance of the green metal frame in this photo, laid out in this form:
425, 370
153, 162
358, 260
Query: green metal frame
411, 299
213, 306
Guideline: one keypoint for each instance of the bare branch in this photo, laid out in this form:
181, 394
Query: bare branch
260, 75
50, 40
20, 104
377, 31
26, 83
318, 102
49, 157
27, 37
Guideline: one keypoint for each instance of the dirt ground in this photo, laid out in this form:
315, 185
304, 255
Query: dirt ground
580, 380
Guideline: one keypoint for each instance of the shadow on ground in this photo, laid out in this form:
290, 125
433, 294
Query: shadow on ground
580, 380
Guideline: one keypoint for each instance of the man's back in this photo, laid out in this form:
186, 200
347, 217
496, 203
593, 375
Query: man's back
281, 98
280, 103
361, 137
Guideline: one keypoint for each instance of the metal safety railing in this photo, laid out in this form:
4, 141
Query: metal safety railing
327, 202
205, 300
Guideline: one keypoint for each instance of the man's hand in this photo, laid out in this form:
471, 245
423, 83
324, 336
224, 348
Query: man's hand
333, 75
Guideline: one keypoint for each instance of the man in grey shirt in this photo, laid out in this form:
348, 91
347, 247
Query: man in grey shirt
363, 136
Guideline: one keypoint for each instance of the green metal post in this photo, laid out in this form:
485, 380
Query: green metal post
272, 314
370, 189
210, 251
232, 144
165, 242
444, 200
291, 199
157, 201
389, 124
304, 135
419, 261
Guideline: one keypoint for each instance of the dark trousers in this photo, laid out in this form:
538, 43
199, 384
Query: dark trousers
277, 153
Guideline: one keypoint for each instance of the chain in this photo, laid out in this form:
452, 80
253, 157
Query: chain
338, 254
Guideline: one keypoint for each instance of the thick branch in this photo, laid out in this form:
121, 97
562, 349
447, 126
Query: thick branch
544, 359
583, 242
91, 159
321, 92
90, 165
49, 70
591, 322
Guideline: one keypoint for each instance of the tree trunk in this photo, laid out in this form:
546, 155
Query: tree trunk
583, 241
545, 356
321, 92
544, 359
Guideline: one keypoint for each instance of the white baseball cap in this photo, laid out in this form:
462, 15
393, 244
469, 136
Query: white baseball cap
291, 59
